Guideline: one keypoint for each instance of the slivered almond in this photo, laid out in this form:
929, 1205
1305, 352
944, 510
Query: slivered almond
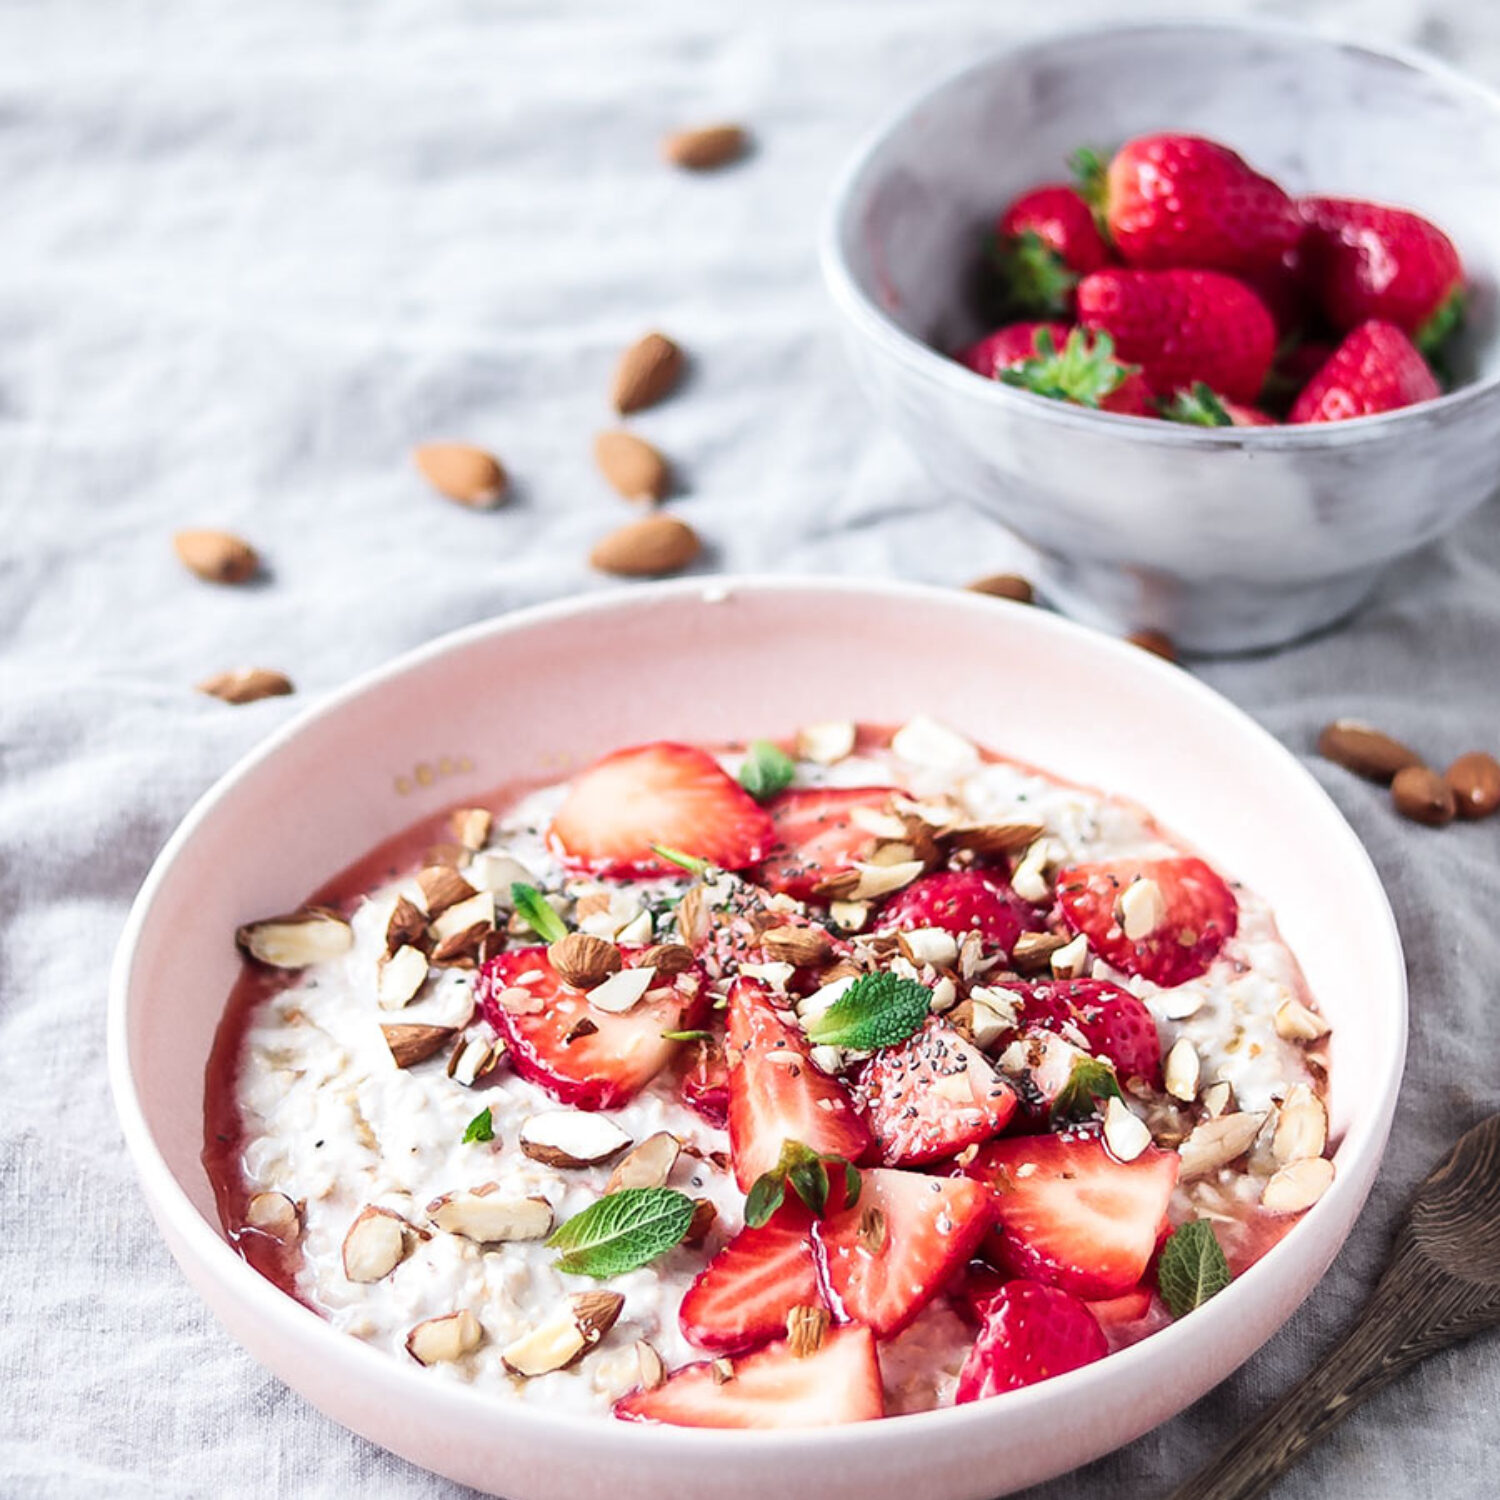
407, 926
274, 1214
1216, 1143
1181, 1069
623, 990
1029, 878
704, 147
1294, 1022
462, 949
849, 916
485, 1217
374, 1246
872, 1229
474, 1058
1125, 1133
1143, 908
1365, 751
633, 467
1301, 1126
802, 947
993, 838
469, 475
400, 977
1033, 951
826, 744
722, 1370
471, 826
497, 873
571, 1138
566, 1336
667, 958
584, 961
217, 556
928, 945
805, 1327
866, 882
455, 856
478, 908
648, 371
653, 1371
704, 1215
247, 685
1004, 586
411, 1044
648, 1165
310, 936
647, 548
1218, 1098
693, 916
1297, 1186
442, 887
1072, 959
445, 1339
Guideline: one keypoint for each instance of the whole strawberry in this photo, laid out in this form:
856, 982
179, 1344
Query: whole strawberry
1377, 368
1201, 406
1174, 200
1044, 241
1365, 260
1183, 326
1049, 359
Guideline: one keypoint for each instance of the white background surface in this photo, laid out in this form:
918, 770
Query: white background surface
248, 255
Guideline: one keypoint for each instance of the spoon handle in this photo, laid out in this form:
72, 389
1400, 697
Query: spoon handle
1415, 1311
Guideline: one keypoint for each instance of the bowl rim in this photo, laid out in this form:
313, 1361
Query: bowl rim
298, 1325
938, 369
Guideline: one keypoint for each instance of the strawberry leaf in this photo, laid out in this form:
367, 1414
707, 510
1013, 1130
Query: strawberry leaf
1192, 1268
1198, 406
1443, 322
1035, 281
536, 911
480, 1128
1091, 176
877, 1010
622, 1231
1084, 371
807, 1173
766, 771
1088, 1083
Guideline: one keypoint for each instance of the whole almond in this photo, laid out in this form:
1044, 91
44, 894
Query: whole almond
217, 556
1423, 796
463, 473
647, 548
1365, 751
632, 466
1475, 779
705, 147
584, 961
1157, 642
246, 685
647, 372
1004, 586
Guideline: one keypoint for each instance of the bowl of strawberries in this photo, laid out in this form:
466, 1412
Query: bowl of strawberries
1203, 312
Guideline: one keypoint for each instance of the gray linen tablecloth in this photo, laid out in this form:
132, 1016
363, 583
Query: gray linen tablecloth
248, 255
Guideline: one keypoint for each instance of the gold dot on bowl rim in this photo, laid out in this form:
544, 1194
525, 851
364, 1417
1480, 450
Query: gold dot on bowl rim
445, 766
424, 774
465, 764
403, 786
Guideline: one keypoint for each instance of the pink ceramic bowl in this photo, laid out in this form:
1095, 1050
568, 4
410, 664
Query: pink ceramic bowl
545, 689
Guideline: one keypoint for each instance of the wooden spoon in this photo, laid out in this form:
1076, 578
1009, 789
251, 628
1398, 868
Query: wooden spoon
1442, 1285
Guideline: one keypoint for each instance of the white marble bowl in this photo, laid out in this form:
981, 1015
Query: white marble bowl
1228, 539
533, 694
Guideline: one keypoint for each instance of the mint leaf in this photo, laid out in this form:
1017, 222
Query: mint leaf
807, 1173
622, 1231
877, 1010
480, 1128
1192, 1267
688, 862
1088, 1083
537, 912
766, 771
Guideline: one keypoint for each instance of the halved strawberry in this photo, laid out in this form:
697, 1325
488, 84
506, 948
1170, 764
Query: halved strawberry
1072, 1215
1031, 1332
589, 1058
1127, 1319
742, 1296
674, 795
960, 902
704, 1084
904, 1241
1111, 1020
839, 1382
777, 1094
931, 1096
816, 835
1198, 914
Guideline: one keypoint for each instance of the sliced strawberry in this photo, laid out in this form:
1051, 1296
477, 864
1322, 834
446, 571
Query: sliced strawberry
673, 795
931, 1096
1111, 1020
704, 1084
960, 902
1199, 913
1127, 1319
908, 1236
1072, 1215
589, 1058
1042, 1071
816, 835
777, 1094
1031, 1332
839, 1382
741, 1298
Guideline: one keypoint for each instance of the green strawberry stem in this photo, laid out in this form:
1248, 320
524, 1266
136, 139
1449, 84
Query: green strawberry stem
1090, 173
1442, 324
1196, 407
1034, 280
1085, 371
